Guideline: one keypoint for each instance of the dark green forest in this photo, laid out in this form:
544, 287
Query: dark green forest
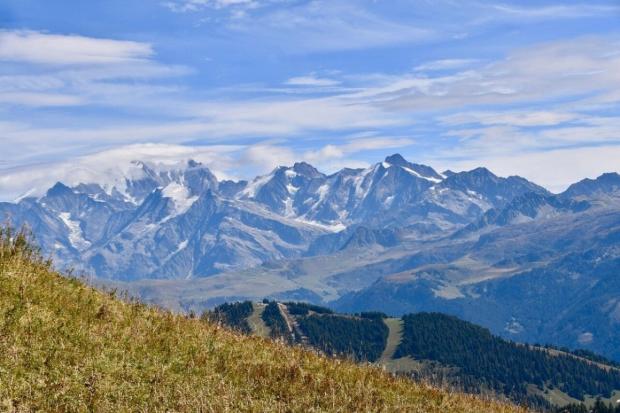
599, 407
296, 308
360, 338
503, 366
232, 314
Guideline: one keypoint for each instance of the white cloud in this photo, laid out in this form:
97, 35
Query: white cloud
511, 118
68, 70
445, 64
183, 6
333, 157
45, 48
541, 73
323, 26
355, 145
559, 11
265, 157
210, 122
293, 116
39, 99
311, 80
110, 165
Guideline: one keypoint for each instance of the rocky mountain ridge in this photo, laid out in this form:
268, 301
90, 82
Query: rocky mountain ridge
182, 222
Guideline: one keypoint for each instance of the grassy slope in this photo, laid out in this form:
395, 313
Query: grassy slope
68, 347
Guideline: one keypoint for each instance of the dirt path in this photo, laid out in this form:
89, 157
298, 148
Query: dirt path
395, 335
256, 322
292, 325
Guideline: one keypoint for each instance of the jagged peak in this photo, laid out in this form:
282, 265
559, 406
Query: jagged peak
422, 171
59, 189
194, 164
396, 159
305, 169
481, 171
609, 181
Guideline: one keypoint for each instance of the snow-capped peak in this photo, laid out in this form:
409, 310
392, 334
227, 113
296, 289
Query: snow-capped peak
417, 170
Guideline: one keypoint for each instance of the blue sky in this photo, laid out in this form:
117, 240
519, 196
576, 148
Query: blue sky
528, 87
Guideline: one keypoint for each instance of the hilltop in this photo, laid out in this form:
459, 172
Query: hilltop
69, 347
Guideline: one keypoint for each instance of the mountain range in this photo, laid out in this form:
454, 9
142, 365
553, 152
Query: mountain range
397, 237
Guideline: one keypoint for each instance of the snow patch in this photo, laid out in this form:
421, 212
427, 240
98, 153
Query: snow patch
182, 245
333, 227
291, 189
416, 174
253, 187
288, 208
180, 196
75, 232
323, 190
358, 182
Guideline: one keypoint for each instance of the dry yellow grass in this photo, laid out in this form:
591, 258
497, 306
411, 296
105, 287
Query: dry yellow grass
66, 347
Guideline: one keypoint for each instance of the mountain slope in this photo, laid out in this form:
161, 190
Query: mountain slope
542, 280
68, 347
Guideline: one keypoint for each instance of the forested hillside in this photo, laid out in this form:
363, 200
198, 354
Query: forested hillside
504, 366
447, 351
362, 339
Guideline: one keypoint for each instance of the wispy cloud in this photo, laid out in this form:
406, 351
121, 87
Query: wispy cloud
555, 11
541, 73
311, 80
445, 64
354, 145
51, 70
38, 47
512, 118
327, 26
184, 6
112, 165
